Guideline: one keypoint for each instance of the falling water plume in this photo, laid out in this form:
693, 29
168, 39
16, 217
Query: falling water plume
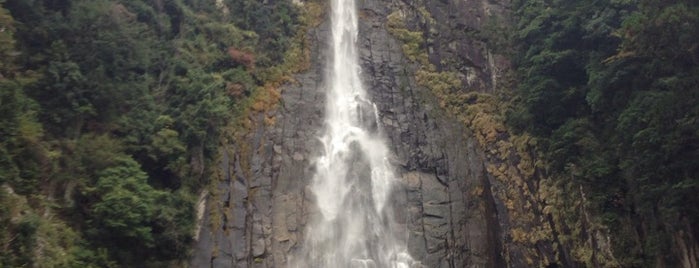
353, 183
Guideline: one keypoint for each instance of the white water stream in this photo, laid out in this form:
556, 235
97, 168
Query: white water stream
353, 181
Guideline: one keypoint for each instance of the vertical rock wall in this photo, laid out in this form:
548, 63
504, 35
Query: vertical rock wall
256, 215
443, 172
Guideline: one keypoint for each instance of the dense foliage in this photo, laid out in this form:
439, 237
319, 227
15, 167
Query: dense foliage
611, 88
112, 111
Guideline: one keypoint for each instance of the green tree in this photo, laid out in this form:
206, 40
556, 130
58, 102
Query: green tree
121, 217
131, 218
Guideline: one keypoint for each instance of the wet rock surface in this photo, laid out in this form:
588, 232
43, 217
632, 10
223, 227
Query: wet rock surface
256, 217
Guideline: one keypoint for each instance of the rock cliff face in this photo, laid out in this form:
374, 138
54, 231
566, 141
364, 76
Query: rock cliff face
256, 215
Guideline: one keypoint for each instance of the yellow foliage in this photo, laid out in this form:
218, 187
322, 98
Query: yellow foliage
312, 13
412, 40
510, 204
426, 16
529, 260
441, 83
270, 120
503, 147
519, 235
477, 191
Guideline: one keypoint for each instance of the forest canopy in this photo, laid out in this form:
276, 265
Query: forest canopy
611, 90
112, 115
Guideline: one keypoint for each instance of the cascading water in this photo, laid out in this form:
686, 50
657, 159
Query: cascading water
353, 180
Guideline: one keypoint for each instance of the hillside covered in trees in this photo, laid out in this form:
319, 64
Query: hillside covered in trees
611, 90
112, 112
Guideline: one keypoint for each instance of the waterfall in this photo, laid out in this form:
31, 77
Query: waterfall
353, 182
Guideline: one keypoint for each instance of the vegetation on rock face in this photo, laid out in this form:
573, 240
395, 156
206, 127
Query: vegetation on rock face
413, 41
510, 159
610, 89
113, 111
263, 101
596, 149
